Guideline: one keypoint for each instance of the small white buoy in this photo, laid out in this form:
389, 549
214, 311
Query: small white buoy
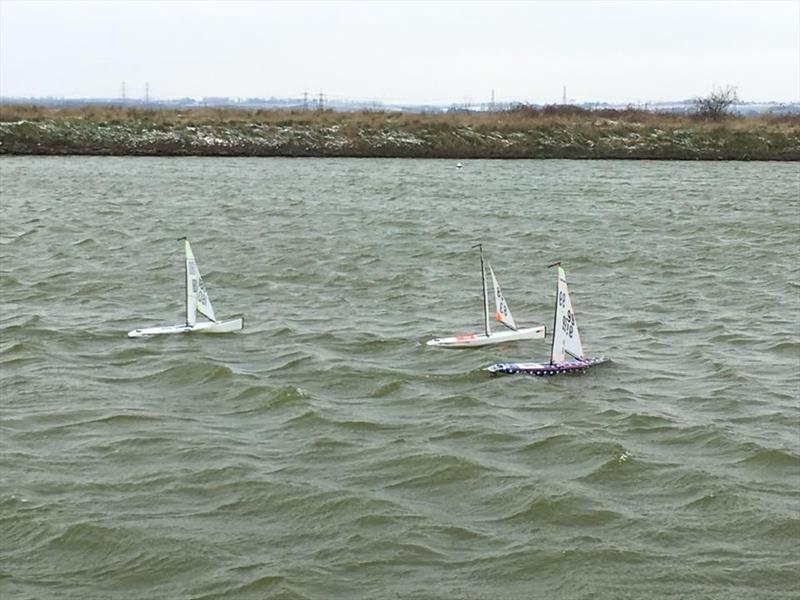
459, 165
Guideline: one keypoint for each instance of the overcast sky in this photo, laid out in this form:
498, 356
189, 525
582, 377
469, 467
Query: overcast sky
453, 51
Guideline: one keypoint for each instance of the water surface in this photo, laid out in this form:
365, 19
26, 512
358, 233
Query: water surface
326, 452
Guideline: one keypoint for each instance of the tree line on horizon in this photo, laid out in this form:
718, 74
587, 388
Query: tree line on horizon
719, 103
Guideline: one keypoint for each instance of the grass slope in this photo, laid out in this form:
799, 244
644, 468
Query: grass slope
525, 132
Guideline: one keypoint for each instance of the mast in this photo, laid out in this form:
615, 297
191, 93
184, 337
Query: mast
485, 294
555, 314
185, 280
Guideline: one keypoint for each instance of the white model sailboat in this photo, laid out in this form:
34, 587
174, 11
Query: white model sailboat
197, 301
502, 314
566, 353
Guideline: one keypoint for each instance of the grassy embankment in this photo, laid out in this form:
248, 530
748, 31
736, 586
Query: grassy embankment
525, 132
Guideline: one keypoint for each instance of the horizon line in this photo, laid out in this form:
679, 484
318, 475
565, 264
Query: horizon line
313, 100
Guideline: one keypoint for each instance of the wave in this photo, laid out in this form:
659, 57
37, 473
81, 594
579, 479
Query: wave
483, 436
186, 373
22, 527
125, 421
247, 585
313, 419
28, 322
257, 399
388, 389
10, 239
121, 554
91, 291
565, 510
785, 348
718, 499
14, 352
131, 354
620, 467
643, 423
88, 241
773, 459
430, 470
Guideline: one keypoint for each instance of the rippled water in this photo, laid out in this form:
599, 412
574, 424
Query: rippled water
326, 452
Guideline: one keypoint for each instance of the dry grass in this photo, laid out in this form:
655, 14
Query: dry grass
524, 132
521, 118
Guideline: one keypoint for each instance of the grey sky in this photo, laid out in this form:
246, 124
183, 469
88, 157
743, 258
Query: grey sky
453, 51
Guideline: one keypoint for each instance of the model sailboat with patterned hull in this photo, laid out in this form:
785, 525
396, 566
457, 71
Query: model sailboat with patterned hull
566, 353
197, 303
502, 314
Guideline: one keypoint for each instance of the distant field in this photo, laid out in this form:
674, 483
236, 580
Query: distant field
525, 132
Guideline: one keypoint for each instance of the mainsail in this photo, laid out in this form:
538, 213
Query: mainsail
197, 299
501, 311
566, 339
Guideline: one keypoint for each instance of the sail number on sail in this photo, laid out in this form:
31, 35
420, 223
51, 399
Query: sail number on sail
568, 320
568, 323
502, 307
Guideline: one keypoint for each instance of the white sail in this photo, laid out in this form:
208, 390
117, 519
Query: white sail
197, 299
502, 312
566, 339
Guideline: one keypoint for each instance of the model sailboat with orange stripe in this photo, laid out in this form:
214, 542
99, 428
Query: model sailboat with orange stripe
502, 313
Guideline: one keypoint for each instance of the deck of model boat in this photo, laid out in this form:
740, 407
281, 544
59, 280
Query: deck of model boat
481, 339
203, 327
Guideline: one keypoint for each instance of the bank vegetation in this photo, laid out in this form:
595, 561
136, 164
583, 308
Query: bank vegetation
523, 132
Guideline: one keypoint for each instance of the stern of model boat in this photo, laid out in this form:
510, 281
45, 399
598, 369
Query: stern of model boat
220, 326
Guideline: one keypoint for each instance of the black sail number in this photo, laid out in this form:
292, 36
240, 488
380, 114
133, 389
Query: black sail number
568, 323
501, 303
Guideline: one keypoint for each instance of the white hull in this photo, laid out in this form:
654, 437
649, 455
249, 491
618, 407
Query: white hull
473, 340
204, 327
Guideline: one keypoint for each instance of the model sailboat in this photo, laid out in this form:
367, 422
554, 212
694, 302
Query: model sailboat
502, 314
566, 342
197, 301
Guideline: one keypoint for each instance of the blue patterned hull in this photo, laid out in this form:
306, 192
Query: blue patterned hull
546, 369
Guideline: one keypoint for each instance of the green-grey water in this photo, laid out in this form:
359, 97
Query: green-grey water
326, 452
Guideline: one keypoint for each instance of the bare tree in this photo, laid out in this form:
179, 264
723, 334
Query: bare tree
717, 104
